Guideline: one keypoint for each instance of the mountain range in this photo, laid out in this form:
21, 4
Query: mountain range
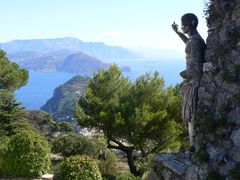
95, 49
63, 54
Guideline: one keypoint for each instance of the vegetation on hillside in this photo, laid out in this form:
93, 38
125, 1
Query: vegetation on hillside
65, 98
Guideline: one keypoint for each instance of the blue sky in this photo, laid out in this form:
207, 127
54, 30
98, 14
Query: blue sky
127, 23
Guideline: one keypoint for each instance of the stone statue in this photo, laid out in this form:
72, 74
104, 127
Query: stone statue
195, 48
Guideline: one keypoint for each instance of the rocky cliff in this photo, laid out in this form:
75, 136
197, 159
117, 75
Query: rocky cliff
64, 99
219, 97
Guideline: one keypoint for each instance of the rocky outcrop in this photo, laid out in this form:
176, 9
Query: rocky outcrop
178, 167
219, 97
65, 97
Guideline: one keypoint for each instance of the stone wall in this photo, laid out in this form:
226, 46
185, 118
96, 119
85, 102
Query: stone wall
219, 93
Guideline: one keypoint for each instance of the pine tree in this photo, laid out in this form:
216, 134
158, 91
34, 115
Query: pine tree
134, 116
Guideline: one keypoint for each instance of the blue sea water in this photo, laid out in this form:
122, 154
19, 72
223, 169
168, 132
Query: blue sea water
41, 85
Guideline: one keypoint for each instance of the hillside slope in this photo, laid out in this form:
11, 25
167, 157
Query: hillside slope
65, 97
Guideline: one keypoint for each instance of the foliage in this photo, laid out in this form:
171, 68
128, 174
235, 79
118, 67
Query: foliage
145, 164
201, 156
9, 109
74, 144
126, 176
65, 98
27, 155
213, 175
108, 165
3, 148
11, 76
64, 126
234, 174
79, 167
141, 115
43, 122
18, 126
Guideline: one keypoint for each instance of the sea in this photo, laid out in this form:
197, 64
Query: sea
41, 85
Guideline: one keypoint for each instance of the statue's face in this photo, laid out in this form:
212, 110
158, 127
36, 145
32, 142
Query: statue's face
185, 27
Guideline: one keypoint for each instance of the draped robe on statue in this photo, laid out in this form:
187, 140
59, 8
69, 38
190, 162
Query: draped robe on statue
195, 48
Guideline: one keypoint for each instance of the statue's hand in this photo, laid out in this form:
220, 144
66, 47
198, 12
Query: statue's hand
175, 27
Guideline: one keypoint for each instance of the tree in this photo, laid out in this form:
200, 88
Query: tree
72, 144
9, 110
133, 116
3, 148
11, 76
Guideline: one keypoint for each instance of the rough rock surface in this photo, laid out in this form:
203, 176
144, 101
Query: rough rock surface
219, 97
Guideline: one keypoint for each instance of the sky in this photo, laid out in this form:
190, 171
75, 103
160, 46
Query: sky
127, 23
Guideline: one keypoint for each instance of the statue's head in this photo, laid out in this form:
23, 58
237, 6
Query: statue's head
189, 22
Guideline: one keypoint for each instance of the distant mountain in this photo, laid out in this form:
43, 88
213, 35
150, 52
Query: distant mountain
62, 60
96, 49
81, 63
65, 97
38, 61
62, 54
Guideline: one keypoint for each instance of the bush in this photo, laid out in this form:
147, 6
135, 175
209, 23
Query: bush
108, 166
64, 126
144, 164
126, 177
79, 168
27, 155
19, 126
74, 144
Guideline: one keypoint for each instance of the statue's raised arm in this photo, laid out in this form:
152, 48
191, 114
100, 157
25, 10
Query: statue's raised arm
179, 33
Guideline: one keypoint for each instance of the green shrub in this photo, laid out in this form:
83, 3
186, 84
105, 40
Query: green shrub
79, 168
126, 177
64, 126
19, 126
74, 144
144, 164
27, 155
108, 166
